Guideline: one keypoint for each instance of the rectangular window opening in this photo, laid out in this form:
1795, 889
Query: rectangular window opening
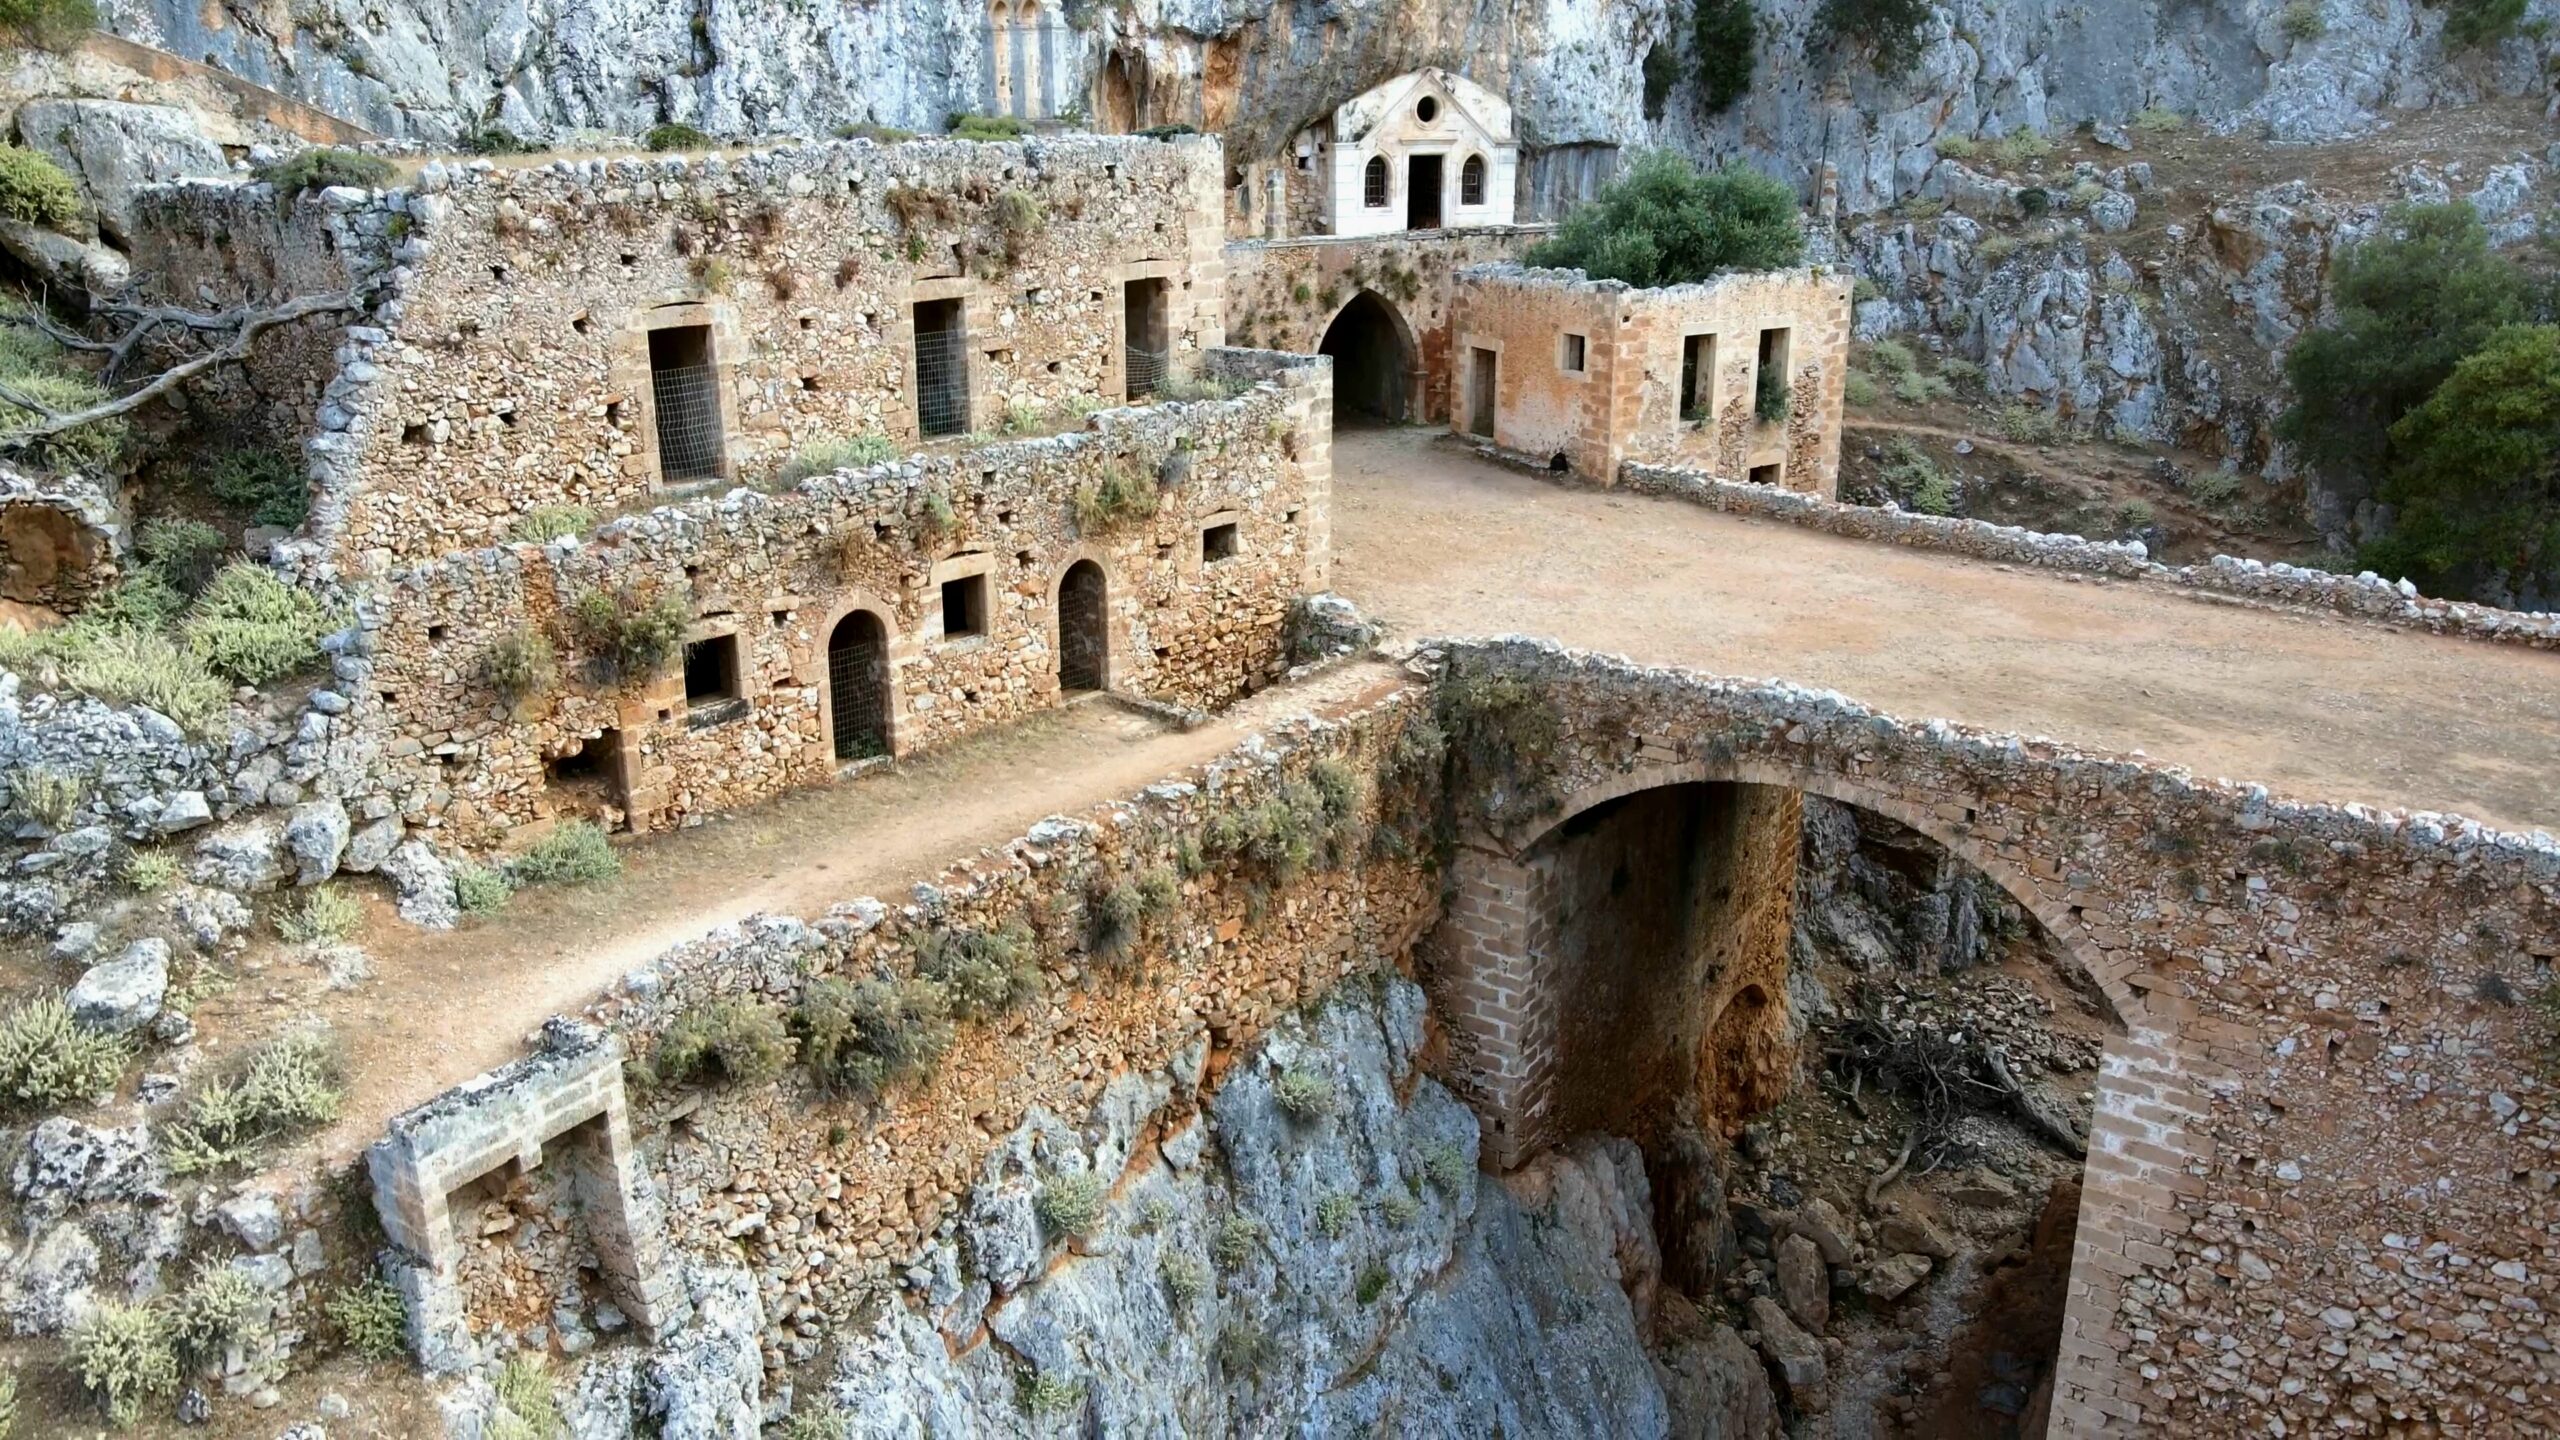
942, 368
1218, 542
964, 607
711, 692
684, 386
1571, 358
1697, 377
1768, 474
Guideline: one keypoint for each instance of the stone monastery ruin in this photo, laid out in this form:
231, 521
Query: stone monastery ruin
1454, 1033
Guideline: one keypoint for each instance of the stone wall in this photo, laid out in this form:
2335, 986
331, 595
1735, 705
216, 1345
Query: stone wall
2366, 595
1286, 294
517, 370
1188, 617
1626, 390
59, 534
2321, 1184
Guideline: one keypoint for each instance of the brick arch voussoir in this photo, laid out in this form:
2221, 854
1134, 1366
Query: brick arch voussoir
2132, 1007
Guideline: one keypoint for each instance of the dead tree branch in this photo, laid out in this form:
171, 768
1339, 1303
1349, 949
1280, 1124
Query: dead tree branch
2060, 1133
243, 327
1875, 1187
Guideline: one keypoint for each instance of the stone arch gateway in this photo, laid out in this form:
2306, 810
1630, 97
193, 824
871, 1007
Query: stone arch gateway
1376, 366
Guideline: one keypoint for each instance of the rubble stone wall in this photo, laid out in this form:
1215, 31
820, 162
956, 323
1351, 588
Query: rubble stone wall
782, 573
1285, 294
517, 371
2321, 1183
1625, 399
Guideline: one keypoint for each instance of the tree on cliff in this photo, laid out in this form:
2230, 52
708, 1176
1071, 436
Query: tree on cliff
2476, 481
2410, 304
1662, 222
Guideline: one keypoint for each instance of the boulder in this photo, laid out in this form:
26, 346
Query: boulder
185, 810
1821, 1222
1718, 1389
124, 994
245, 856
317, 836
425, 885
2112, 213
1893, 1277
705, 1381
1915, 1234
1796, 1356
114, 149
372, 845
1804, 1283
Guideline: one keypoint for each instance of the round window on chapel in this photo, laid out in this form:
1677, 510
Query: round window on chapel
1427, 110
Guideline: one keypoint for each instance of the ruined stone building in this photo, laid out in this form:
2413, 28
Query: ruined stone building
1740, 376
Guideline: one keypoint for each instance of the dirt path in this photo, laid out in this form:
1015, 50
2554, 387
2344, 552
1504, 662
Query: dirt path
443, 1006
2313, 706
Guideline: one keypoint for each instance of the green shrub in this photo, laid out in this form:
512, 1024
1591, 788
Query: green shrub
35, 190
848, 452
2086, 192
576, 852
1957, 147
1916, 388
33, 365
2476, 472
2214, 488
2029, 424
526, 1396
261, 485
675, 135
221, 1307
181, 554
55, 25
2135, 514
8, 1404
1165, 132
325, 914
321, 168
482, 890
816, 1419
719, 1041
1185, 1278
1501, 734
494, 140
981, 972
132, 667
1959, 372
1335, 1212
1663, 222
143, 601
1372, 1283
1304, 1094
1771, 397
1447, 1165
860, 1038
2034, 201
286, 1087
985, 127
1019, 215
1723, 35
1399, 1208
49, 1059
869, 130
148, 872
1892, 357
2156, 121
1048, 1397
546, 523
1916, 480
371, 1319
51, 798
1071, 1204
935, 518
1121, 498
125, 1356
629, 636
1184, 384
519, 666
252, 625
1237, 1237
1895, 29
2481, 22
2024, 145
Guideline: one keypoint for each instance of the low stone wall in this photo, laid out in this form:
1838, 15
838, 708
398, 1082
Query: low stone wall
828, 1198
1181, 614
2367, 596
59, 538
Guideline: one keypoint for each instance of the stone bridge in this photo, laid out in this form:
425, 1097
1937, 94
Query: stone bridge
2321, 1175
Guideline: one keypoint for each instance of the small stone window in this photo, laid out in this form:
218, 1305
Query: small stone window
1768, 474
964, 607
1471, 181
711, 692
1218, 542
1373, 183
1698, 377
1571, 353
1427, 109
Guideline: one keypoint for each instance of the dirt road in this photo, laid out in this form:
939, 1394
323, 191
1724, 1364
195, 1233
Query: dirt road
2313, 707
446, 1005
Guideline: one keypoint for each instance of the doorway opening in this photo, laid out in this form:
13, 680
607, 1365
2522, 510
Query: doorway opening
1084, 629
1422, 192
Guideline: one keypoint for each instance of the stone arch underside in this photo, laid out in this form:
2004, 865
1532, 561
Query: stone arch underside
1377, 366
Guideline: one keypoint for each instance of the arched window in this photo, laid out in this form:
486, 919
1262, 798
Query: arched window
1471, 181
1373, 183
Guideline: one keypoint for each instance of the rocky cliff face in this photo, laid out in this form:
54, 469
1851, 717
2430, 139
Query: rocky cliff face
1257, 70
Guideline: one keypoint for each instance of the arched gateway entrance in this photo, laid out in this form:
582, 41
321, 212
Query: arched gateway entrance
858, 686
1374, 361
1084, 629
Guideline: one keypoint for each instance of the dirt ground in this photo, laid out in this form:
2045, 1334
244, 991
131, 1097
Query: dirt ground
2315, 707
442, 1006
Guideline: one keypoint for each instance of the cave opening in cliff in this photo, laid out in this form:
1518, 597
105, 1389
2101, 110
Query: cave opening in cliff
1373, 360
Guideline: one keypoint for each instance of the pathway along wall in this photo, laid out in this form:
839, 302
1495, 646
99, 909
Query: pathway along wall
961, 557
2322, 1184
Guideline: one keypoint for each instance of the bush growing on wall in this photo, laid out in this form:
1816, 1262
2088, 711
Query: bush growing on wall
728, 1039
1663, 222
37, 191
252, 625
626, 635
261, 485
322, 168
982, 972
862, 1037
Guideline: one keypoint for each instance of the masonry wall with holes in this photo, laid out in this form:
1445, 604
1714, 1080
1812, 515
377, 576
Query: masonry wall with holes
614, 333
1740, 376
886, 610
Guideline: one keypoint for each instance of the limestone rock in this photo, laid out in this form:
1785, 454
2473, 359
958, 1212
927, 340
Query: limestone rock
317, 836
1804, 1283
114, 148
244, 856
1821, 1222
1893, 1277
705, 1381
1717, 1389
124, 994
1796, 1355
1914, 1234
425, 885
373, 844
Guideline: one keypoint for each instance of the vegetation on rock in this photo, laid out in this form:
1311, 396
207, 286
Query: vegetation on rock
724, 1040
327, 166
37, 191
48, 1058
